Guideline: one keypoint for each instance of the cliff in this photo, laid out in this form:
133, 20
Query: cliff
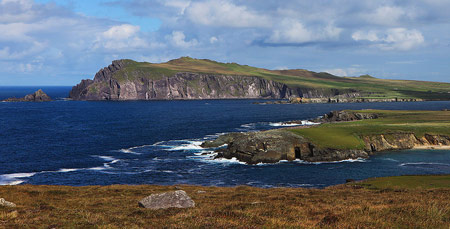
38, 96
184, 85
188, 78
287, 144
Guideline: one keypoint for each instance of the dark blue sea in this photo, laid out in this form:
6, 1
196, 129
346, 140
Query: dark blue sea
157, 142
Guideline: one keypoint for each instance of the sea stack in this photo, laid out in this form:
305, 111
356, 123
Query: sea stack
38, 96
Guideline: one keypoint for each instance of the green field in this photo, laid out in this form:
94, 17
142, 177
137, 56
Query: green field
347, 135
370, 87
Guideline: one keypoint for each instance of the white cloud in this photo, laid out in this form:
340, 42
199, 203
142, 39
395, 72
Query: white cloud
391, 39
178, 39
121, 32
224, 13
344, 71
386, 15
293, 32
213, 40
122, 38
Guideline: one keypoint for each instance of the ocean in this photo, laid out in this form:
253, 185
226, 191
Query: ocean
78, 143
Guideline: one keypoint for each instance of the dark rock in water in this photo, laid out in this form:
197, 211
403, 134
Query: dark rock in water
5, 203
38, 96
343, 116
221, 140
349, 180
275, 145
175, 199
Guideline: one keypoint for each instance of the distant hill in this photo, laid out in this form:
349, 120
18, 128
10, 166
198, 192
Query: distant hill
189, 78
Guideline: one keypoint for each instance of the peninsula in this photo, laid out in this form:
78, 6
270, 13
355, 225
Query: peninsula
189, 78
342, 135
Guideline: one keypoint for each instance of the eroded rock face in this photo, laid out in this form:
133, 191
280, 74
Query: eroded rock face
275, 145
175, 199
38, 96
185, 85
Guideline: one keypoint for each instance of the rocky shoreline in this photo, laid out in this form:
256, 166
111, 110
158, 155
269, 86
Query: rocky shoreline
299, 100
275, 145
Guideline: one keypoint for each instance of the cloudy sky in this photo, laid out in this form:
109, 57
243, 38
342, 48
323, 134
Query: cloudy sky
56, 42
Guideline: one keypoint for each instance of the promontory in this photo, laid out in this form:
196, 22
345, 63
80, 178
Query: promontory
189, 78
341, 135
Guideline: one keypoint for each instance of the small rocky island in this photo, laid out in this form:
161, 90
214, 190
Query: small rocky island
341, 135
38, 96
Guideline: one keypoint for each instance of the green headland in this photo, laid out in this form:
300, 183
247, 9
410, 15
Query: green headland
350, 135
205, 79
370, 86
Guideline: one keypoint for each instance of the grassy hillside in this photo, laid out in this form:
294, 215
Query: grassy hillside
347, 135
382, 205
296, 78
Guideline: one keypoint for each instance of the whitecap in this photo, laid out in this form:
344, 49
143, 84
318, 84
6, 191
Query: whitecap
106, 158
11, 179
129, 151
190, 145
67, 170
283, 124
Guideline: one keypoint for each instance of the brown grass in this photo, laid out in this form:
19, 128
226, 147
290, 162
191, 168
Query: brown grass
116, 206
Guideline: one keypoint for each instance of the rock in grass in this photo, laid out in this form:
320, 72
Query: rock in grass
5, 203
175, 199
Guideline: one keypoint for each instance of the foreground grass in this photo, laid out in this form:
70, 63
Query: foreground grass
347, 135
343, 206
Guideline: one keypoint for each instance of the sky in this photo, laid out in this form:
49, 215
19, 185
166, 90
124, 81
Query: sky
56, 42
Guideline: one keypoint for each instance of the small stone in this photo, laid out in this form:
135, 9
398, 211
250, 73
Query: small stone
5, 203
175, 199
201, 191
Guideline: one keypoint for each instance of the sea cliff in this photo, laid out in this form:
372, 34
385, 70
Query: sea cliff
185, 85
187, 78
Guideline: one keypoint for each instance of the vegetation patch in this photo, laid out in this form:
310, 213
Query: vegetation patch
348, 135
381, 205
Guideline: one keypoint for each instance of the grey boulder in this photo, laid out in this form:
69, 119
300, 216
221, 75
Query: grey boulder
5, 203
175, 199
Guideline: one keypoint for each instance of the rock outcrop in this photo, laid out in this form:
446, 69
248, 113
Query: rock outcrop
135, 85
175, 199
5, 203
344, 116
38, 96
275, 145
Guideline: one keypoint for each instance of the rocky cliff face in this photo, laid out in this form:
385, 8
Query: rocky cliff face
275, 145
185, 85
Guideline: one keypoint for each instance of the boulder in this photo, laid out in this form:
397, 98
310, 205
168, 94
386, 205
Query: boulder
5, 203
175, 199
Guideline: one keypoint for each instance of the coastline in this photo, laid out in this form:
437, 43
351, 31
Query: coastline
340, 135
433, 147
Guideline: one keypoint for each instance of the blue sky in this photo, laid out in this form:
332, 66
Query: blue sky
56, 42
